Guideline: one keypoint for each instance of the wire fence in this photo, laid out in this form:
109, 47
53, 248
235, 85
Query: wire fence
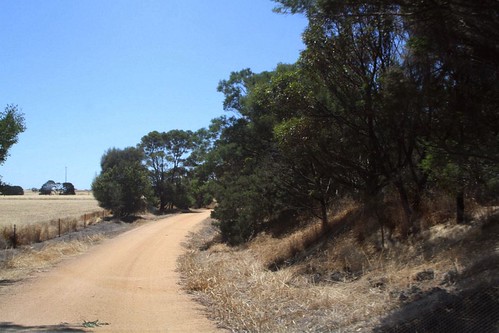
13, 236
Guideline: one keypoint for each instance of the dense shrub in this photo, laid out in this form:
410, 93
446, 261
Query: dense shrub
123, 185
67, 189
11, 190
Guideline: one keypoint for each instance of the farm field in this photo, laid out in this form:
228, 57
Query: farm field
32, 208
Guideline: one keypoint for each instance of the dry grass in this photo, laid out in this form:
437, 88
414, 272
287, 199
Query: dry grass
38, 218
42, 231
322, 284
247, 297
33, 208
16, 265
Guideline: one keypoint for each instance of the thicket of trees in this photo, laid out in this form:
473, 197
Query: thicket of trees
51, 187
11, 190
389, 98
159, 172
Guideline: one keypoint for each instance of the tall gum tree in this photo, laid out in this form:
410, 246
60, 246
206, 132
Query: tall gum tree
166, 154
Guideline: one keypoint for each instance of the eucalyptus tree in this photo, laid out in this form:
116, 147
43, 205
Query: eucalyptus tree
445, 55
244, 160
166, 155
357, 56
157, 163
453, 53
201, 161
12, 123
306, 175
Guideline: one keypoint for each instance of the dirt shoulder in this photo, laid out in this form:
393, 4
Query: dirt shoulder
125, 284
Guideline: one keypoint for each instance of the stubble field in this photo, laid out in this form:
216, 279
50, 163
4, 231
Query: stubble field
32, 208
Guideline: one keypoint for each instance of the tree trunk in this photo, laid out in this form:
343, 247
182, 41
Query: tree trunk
404, 200
324, 217
382, 236
460, 207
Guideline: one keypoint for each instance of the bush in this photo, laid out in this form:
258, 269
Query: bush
68, 189
11, 190
48, 188
123, 185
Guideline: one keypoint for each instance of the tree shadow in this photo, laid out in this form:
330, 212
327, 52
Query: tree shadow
130, 219
474, 307
7, 282
11, 327
316, 241
124, 219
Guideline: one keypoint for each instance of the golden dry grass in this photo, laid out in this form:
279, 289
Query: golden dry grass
38, 218
17, 265
248, 297
333, 285
33, 208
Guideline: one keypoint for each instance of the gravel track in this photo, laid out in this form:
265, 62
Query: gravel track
128, 283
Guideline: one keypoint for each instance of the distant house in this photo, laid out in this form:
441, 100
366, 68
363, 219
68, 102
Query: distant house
51, 187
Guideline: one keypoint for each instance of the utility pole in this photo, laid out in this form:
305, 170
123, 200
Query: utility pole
65, 174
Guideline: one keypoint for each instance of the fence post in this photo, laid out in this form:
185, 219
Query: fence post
59, 227
84, 221
14, 238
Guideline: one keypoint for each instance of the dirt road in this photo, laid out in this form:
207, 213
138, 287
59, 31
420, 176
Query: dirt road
128, 283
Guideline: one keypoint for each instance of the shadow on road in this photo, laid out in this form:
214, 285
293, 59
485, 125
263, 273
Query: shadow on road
11, 327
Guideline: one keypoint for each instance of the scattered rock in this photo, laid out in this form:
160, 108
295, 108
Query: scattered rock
425, 275
412, 294
403, 297
379, 283
436, 290
315, 278
415, 290
450, 278
338, 276
344, 276
395, 293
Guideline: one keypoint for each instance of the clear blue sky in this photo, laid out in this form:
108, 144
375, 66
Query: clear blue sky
94, 74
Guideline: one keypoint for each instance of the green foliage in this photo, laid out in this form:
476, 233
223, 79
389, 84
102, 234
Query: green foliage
123, 185
48, 187
11, 125
294, 6
166, 157
251, 170
201, 192
478, 177
11, 190
68, 189
51, 187
245, 204
182, 197
117, 157
387, 97
383, 97
235, 89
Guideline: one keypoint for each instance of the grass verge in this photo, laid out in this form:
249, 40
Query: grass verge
325, 283
17, 265
27, 234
